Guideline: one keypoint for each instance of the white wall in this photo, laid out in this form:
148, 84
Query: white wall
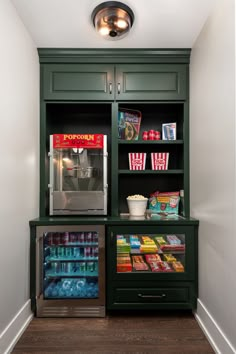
19, 127
212, 176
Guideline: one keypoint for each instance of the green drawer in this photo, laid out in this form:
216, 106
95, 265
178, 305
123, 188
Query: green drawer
151, 295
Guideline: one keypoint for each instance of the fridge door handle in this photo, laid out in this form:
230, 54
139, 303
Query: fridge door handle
39, 260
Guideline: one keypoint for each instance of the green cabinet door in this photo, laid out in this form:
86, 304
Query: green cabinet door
78, 81
151, 82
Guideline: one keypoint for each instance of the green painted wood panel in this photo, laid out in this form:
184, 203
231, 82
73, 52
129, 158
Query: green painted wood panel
78, 82
114, 55
151, 82
111, 220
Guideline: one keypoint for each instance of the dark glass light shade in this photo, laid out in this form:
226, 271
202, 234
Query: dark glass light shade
112, 19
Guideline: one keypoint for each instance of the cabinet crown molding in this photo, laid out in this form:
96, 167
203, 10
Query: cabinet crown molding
73, 55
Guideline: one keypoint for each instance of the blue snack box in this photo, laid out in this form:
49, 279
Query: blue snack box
164, 204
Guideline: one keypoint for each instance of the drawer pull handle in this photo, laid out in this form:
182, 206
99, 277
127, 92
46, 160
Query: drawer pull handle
110, 88
152, 296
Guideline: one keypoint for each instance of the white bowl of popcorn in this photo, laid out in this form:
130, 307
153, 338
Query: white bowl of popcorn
137, 204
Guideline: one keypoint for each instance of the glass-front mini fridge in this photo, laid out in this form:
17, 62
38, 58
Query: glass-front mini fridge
70, 271
78, 174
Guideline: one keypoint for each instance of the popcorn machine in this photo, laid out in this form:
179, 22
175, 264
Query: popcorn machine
78, 174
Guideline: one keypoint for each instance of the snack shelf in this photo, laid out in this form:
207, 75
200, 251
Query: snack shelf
160, 267
149, 270
150, 253
154, 172
151, 142
138, 252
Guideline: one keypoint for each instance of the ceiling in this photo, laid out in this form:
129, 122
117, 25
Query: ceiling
158, 23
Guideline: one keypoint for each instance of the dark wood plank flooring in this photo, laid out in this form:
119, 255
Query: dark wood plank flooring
159, 333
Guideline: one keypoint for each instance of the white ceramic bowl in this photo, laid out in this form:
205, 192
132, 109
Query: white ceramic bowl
137, 207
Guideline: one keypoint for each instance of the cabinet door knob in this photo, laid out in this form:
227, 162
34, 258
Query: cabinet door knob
110, 88
118, 88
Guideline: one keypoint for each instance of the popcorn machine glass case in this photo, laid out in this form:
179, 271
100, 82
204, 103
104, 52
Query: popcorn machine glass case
78, 174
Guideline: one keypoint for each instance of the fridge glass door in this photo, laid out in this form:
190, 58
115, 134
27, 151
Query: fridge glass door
70, 271
71, 265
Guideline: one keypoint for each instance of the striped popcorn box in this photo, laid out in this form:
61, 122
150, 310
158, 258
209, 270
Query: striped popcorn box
137, 160
159, 160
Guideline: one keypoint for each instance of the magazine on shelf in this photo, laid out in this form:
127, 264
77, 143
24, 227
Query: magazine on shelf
129, 122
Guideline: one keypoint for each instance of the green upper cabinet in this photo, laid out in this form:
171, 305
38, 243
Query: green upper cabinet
107, 82
78, 82
151, 82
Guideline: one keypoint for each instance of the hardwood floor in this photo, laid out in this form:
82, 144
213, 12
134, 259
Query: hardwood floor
159, 333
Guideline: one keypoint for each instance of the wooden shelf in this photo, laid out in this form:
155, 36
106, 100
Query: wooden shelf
151, 142
151, 172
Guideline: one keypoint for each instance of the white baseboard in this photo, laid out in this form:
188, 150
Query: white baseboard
12, 333
214, 334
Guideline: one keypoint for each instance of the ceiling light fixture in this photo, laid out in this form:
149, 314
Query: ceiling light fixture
112, 19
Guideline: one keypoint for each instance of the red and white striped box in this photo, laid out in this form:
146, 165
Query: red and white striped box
137, 160
159, 160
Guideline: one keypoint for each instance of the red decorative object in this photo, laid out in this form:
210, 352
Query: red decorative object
145, 135
157, 135
151, 135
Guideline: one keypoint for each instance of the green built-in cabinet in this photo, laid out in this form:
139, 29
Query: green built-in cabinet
82, 91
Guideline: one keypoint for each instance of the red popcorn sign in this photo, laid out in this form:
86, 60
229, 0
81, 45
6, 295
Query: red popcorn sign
137, 160
90, 141
159, 160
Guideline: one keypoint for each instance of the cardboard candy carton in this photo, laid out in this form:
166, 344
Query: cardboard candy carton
159, 160
164, 202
